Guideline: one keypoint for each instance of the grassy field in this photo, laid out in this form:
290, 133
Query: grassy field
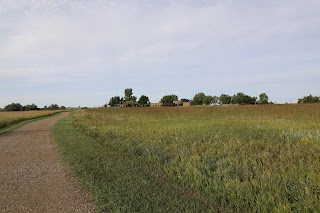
7, 118
226, 159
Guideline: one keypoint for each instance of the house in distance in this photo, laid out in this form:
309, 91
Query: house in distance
182, 103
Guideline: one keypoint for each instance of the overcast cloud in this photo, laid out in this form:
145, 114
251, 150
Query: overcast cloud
79, 52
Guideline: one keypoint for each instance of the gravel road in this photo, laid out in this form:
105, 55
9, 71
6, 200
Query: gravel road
33, 178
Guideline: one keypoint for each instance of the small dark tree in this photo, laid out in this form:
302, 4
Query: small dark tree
263, 98
198, 98
309, 99
114, 101
53, 107
30, 107
144, 100
169, 98
208, 100
13, 107
225, 99
241, 98
128, 94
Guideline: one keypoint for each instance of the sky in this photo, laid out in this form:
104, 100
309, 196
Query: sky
83, 52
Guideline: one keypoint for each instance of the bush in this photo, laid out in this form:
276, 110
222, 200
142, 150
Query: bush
13, 107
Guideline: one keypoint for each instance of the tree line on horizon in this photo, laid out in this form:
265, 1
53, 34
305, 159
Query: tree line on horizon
29, 107
309, 99
202, 99
198, 99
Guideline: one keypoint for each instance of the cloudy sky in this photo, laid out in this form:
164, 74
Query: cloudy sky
82, 52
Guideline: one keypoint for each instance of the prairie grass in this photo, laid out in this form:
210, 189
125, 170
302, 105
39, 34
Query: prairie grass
7, 118
117, 181
239, 158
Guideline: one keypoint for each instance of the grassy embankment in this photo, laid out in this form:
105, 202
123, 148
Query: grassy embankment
12, 120
230, 159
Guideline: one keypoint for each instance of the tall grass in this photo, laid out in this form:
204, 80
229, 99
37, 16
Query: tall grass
240, 158
7, 118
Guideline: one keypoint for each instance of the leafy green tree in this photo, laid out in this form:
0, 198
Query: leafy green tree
53, 107
133, 98
144, 100
128, 94
198, 98
238, 98
208, 100
225, 99
30, 107
241, 98
114, 101
13, 107
263, 98
309, 99
169, 98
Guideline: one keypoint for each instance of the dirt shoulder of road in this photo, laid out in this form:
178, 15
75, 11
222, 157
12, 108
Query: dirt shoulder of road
33, 178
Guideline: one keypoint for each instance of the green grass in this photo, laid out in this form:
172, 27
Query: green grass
224, 159
117, 180
20, 122
8, 118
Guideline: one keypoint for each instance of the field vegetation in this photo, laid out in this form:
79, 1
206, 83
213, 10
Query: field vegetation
7, 118
263, 158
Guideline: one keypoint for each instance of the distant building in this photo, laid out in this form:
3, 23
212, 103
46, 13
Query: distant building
182, 103
169, 105
178, 103
130, 104
156, 104
174, 104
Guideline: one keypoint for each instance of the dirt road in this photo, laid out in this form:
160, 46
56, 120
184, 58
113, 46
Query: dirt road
32, 175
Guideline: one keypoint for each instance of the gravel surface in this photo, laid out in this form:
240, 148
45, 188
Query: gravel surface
33, 178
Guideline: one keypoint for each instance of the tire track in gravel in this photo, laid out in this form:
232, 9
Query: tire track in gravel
33, 177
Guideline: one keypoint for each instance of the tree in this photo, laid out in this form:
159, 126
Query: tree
144, 100
309, 99
114, 101
30, 107
53, 107
241, 98
198, 98
133, 98
208, 100
225, 99
13, 107
128, 94
263, 98
169, 98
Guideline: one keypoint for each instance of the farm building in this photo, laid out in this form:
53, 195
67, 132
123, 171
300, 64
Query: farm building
156, 104
174, 104
182, 103
130, 104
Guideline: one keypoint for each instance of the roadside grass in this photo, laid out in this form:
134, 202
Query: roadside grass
117, 180
235, 158
12, 120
